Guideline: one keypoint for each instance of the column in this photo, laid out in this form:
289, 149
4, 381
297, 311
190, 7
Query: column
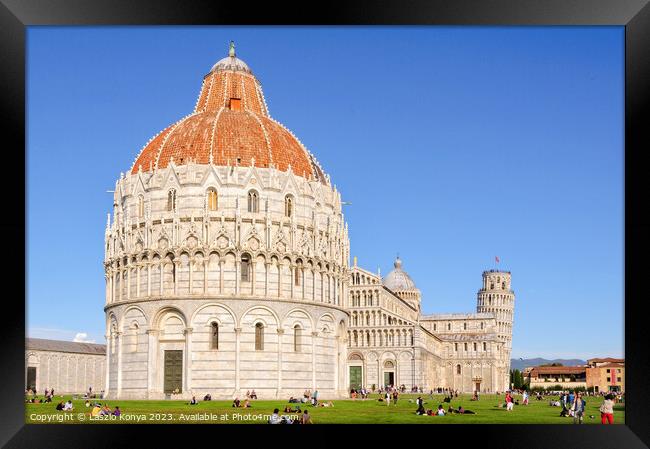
149, 278
337, 361
162, 273
280, 334
313, 359
128, 282
175, 277
205, 275
221, 276
253, 276
121, 283
118, 344
108, 363
237, 274
279, 279
292, 281
187, 378
237, 346
137, 282
152, 362
267, 266
191, 268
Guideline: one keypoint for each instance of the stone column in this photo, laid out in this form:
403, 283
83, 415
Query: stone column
152, 360
221, 276
266, 279
237, 275
118, 338
292, 281
205, 275
337, 360
313, 359
162, 276
121, 283
108, 364
253, 276
190, 265
279, 279
176, 275
187, 378
149, 278
137, 282
128, 282
280, 334
237, 346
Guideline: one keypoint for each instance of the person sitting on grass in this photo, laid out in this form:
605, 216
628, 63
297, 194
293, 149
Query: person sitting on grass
293, 400
248, 394
117, 411
288, 409
326, 404
68, 406
306, 418
253, 394
441, 411
95, 411
59, 406
235, 403
246, 404
207, 397
420, 410
194, 401
106, 410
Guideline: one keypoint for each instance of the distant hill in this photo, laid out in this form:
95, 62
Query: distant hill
521, 364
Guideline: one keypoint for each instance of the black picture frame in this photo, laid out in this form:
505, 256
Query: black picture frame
16, 15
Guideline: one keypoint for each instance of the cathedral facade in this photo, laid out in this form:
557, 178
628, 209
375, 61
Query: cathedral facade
227, 269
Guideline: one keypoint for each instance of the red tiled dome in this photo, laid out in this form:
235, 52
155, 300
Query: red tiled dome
230, 125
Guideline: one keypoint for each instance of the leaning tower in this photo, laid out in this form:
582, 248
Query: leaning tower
496, 297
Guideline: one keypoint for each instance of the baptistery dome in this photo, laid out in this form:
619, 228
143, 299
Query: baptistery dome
226, 257
230, 125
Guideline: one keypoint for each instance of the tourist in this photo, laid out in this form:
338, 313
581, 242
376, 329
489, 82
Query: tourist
117, 411
106, 410
95, 411
194, 401
464, 411
607, 410
247, 403
420, 410
326, 404
387, 398
275, 417
578, 408
207, 397
235, 403
253, 394
248, 394
315, 397
306, 418
441, 411
68, 406
509, 402
59, 406
87, 404
395, 397
525, 395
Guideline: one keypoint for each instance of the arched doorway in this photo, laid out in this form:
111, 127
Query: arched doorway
389, 373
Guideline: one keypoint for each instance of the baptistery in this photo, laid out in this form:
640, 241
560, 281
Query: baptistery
226, 257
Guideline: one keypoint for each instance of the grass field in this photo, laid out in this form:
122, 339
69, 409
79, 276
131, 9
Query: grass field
368, 411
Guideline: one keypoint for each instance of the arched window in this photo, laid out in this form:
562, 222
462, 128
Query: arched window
245, 267
474, 346
297, 274
288, 206
458, 369
456, 347
214, 336
492, 286
211, 199
259, 337
253, 201
503, 285
484, 346
465, 326
140, 206
465, 346
171, 200
297, 334
482, 325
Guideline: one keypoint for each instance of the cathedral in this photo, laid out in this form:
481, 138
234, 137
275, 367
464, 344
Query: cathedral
227, 269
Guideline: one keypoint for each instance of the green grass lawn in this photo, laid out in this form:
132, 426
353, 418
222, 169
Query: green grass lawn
368, 411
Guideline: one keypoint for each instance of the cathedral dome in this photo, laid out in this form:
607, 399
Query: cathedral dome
230, 125
398, 279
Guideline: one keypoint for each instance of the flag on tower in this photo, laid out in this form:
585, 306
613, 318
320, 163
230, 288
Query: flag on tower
496, 258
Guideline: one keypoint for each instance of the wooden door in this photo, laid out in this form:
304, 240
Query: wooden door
173, 371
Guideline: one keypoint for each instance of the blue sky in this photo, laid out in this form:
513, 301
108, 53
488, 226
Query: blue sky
453, 144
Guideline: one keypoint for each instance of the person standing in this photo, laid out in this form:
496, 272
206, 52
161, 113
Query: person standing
509, 402
420, 410
387, 397
578, 408
607, 410
525, 398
